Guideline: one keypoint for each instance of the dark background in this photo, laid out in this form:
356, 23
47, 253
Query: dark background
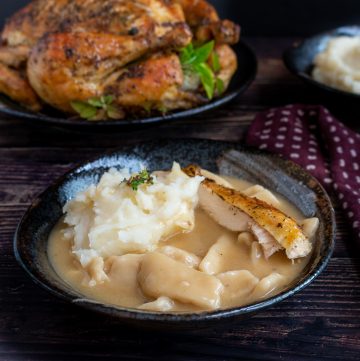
268, 17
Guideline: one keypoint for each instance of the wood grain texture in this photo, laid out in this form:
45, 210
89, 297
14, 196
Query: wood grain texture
320, 323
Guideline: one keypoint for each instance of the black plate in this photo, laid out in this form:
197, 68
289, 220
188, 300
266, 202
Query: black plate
245, 74
284, 177
299, 59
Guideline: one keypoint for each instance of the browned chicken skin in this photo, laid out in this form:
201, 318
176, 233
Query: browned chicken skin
17, 87
239, 212
59, 51
206, 24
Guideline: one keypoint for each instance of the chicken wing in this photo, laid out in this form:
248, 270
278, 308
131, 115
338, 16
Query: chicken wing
18, 88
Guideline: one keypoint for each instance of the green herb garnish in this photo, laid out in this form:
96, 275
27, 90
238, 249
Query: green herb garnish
195, 60
215, 62
97, 108
220, 86
143, 177
162, 109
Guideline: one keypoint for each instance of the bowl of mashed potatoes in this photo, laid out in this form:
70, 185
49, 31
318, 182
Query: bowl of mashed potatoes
330, 61
177, 232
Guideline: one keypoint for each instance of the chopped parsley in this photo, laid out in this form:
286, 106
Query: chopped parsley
143, 177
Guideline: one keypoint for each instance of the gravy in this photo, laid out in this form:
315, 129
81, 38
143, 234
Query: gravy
234, 262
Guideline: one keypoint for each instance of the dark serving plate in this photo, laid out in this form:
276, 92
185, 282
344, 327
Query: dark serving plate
284, 177
300, 57
247, 68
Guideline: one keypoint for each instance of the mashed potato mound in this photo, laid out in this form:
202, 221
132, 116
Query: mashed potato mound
113, 219
338, 65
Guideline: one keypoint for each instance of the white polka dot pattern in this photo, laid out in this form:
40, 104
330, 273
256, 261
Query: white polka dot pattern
313, 138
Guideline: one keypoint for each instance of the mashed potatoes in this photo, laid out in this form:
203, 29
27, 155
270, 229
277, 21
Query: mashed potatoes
339, 64
114, 219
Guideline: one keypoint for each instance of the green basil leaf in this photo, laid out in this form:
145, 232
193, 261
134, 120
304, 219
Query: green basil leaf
215, 62
190, 48
79, 106
186, 54
85, 110
202, 54
220, 86
95, 102
89, 113
107, 99
207, 79
188, 59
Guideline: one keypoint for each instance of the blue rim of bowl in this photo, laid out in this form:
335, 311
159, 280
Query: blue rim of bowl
289, 53
233, 91
140, 315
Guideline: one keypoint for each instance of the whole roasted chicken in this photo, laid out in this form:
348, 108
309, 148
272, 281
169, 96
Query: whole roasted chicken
114, 58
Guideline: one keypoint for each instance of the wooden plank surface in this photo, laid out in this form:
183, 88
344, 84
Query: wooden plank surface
320, 323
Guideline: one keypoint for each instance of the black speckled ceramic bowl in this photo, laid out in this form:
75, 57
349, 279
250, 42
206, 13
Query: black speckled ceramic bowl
247, 68
299, 59
284, 177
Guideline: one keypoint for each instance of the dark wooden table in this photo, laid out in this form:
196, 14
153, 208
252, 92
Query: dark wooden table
320, 323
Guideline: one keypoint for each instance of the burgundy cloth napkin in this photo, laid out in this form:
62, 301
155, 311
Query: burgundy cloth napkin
310, 136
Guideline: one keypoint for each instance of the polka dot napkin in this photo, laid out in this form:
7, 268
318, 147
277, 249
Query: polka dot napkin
310, 136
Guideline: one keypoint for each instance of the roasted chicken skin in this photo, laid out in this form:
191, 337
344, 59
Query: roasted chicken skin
16, 86
238, 212
61, 51
206, 24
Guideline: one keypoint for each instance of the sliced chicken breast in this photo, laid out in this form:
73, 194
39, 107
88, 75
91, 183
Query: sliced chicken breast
238, 212
267, 241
